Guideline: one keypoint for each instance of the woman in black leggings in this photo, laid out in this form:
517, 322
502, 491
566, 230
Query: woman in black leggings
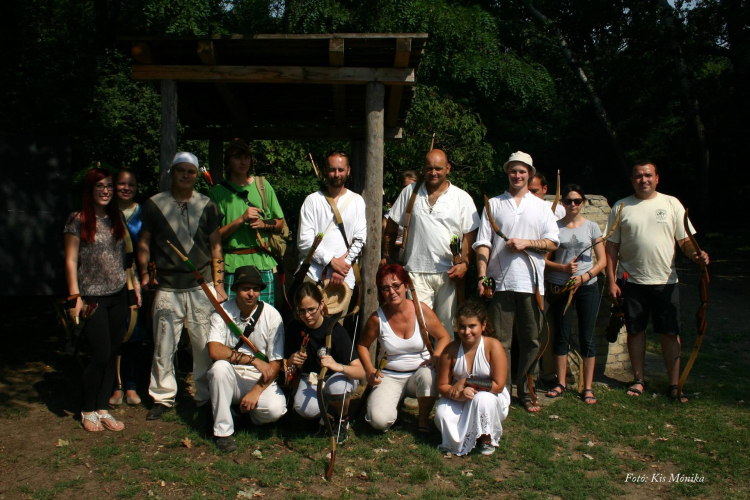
96, 277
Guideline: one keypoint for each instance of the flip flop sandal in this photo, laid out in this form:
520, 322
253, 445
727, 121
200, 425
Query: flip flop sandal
111, 423
557, 391
631, 387
92, 418
528, 404
588, 399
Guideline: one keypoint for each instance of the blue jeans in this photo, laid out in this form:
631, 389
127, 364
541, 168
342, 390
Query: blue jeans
586, 302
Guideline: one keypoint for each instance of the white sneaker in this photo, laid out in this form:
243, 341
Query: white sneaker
486, 449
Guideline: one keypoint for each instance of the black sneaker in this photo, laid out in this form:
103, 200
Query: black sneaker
157, 411
226, 444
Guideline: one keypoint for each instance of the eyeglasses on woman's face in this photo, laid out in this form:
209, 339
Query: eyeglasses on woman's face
387, 288
307, 311
101, 187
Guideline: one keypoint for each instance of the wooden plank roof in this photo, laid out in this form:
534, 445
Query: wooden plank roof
281, 86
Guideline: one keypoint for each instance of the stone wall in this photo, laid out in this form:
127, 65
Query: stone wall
610, 358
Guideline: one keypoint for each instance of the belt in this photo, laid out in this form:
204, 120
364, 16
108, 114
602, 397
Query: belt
244, 251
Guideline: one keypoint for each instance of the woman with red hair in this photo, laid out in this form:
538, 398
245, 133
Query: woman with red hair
410, 370
96, 277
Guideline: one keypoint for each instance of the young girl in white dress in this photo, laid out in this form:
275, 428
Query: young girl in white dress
471, 381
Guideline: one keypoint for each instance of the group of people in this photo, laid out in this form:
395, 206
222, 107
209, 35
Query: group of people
209, 264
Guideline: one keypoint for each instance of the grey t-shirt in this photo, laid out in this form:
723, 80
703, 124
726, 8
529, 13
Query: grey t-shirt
572, 241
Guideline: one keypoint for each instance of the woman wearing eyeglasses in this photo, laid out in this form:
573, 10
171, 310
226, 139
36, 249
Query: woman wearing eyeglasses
563, 266
95, 274
410, 371
343, 366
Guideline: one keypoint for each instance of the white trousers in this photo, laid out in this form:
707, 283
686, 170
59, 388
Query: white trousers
462, 422
174, 311
229, 384
439, 293
382, 407
337, 387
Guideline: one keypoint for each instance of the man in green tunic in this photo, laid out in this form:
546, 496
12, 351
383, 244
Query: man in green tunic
247, 223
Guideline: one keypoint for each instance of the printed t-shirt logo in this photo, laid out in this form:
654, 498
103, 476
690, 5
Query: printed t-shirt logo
661, 215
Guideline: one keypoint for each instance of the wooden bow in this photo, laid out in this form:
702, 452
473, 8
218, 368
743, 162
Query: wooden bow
571, 286
217, 306
557, 193
323, 405
420, 318
700, 315
539, 302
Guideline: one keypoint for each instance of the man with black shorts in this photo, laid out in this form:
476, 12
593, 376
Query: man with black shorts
643, 244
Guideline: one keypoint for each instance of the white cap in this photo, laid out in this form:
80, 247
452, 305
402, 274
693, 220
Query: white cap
185, 157
523, 158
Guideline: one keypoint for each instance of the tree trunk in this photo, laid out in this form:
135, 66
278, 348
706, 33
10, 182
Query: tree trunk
168, 132
692, 108
601, 113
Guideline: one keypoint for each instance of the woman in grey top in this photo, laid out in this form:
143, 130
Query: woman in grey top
564, 266
95, 273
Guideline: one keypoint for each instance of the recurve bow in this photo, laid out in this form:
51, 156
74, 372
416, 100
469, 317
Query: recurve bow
700, 315
217, 306
557, 193
323, 405
571, 285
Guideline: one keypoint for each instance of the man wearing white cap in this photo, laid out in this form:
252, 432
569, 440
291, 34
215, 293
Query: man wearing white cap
528, 224
190, 221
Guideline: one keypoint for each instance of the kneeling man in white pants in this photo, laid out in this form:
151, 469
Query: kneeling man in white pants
238, 376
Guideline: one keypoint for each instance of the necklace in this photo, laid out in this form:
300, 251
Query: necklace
432, 205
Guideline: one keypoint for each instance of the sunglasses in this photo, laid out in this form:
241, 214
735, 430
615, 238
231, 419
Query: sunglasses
576, 201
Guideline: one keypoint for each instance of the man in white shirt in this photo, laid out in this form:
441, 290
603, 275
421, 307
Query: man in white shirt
440, 211
531, 229
538, 186
334, 256
644, 245
238, 375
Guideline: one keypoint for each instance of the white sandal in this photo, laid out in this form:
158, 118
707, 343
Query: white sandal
109, 422
94, 419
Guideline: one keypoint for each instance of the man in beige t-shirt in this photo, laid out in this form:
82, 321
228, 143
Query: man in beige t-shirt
644, 246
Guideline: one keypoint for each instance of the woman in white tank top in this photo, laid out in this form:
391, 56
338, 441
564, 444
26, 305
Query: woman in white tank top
471, 381
409, 370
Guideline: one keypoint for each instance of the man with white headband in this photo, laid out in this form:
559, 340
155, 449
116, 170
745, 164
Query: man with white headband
190, 221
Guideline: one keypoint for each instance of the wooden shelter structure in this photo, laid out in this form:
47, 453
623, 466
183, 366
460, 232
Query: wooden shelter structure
340, 86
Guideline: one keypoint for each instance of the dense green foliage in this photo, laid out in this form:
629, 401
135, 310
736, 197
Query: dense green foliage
492, 81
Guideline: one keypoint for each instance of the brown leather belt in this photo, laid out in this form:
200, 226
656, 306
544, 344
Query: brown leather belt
244, 251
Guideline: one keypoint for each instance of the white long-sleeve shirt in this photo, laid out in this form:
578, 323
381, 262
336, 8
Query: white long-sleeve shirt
316, 216
532, 219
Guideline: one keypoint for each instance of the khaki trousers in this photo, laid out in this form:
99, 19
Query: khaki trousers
174, 311
439, 293
385, 398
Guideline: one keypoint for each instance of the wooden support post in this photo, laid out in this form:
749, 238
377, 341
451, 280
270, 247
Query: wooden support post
373, 194
168, 132
216, 160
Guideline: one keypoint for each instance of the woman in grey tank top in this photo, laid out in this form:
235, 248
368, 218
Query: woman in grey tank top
570, 265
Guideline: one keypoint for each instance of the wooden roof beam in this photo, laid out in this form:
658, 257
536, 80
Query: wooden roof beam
336, 58
207, 55
274, 74
401, 60
287, 133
